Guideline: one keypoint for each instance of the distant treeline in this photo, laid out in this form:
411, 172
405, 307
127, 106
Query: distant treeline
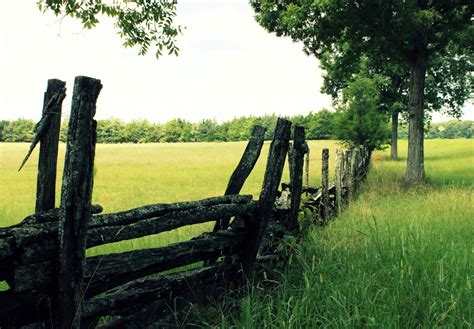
320, 125
448, 129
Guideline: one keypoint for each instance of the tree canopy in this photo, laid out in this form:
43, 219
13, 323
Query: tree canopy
410, 35
359, 120
142, 23
320, 125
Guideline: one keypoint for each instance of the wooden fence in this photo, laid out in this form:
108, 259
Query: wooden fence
43, 258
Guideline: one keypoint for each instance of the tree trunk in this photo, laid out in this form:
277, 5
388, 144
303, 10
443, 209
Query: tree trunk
415, 164
394, 140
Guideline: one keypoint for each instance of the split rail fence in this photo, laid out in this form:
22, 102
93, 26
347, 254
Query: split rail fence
43, 258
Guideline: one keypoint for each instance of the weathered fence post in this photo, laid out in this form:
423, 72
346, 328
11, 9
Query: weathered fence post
354, 171
363, 151
350, 174
338, 180
242, 172
296, 175
48, 154
307, 168
346, 174
290, 159
243, 169
271, 180
324, 186
76, 197
367, 154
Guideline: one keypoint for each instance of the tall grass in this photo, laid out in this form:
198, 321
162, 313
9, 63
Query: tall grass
397, 257
132, 175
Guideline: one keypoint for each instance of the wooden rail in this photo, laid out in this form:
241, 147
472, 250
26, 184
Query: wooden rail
53, 283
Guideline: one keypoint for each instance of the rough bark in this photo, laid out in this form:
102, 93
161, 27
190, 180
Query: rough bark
394, 137
48, 155
41, 128
290, 160
76, 196
338, 180
140, 294
324, 186
415, 172
247, 162
51, 215
109, 271
6, 247
105, 272
307, 168
243, 170
296, 174
354, 171
28, 308
120, 218
347, 155
38, 276
352, 158
168, 222
155, 210
277, 227
37, 243
271, 181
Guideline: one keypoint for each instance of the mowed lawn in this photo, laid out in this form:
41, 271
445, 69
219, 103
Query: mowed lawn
132, 175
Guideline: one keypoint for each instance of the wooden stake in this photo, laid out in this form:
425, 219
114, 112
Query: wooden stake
324, 186
271, 180
76, 198
296, 175
243, 169
48, 155
307, 168
338, 180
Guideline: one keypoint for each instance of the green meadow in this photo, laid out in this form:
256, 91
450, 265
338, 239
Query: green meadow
132, 175
397, 257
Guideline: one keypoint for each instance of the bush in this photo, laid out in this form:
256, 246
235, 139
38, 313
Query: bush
360, 120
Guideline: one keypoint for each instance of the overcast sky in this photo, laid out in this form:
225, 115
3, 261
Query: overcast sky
228, 66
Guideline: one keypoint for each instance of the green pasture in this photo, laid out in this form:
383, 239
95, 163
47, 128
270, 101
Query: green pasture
132, 175
397, 257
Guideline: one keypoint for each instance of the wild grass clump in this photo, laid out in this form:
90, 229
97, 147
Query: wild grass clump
398, 257
132, 175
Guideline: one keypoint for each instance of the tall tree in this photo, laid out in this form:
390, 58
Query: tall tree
142, 23
409, 33
340, 74
449, 84
320, 125
359, 120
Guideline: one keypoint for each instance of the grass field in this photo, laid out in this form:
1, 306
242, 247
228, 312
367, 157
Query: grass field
396, 258
132, 175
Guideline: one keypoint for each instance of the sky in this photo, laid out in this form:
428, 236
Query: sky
228, 67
